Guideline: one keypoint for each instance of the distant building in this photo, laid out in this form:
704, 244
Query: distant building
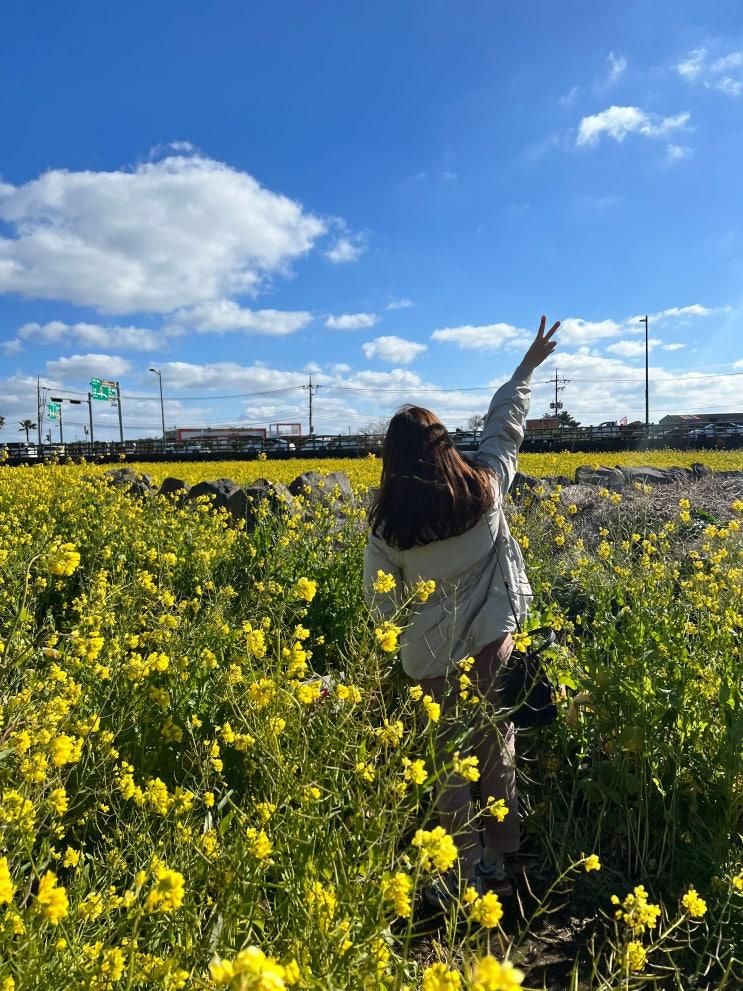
215, 433
544, 423
699, 419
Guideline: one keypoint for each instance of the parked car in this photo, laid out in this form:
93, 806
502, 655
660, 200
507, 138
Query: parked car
609, 428
344, 445
707, 430
465, 440
279, 444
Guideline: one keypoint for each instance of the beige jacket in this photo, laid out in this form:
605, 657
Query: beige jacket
477, 600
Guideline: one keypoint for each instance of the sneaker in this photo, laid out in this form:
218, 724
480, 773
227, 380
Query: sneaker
494, 878
495, 872
448, 889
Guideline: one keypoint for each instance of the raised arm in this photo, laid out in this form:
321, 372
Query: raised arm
505, 420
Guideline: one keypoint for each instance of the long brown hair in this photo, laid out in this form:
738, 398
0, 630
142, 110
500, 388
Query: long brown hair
428, 490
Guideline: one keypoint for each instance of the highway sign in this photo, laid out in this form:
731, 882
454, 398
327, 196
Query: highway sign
53, 411
104, 389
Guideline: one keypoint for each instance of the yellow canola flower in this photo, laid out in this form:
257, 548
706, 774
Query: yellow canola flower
168, 891
384, 582
737, 881
423, 590
439, 977
497, 807
436, 849
635, 911
7, 888
251, 970
415, 771
259, 844
387, 636
431, 708
465, 767
489, 974
396, 890
634, 957
62, 559
486, 909
521, 641
348, 693
52, 899
694, 905
591, 863
305, 589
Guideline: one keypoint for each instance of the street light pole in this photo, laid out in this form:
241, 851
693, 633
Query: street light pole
162, 404
647, 386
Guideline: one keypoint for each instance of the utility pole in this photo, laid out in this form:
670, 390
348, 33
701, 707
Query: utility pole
647, 379
90, 417
312, 391
118, 403
159, 374
559, 384
38, 408
61, 435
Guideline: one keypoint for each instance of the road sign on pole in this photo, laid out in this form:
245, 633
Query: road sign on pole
104, 389
53, 411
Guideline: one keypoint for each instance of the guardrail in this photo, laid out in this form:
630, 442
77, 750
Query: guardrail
578, 439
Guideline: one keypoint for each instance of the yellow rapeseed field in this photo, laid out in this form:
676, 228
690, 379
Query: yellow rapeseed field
213, 774
364, 472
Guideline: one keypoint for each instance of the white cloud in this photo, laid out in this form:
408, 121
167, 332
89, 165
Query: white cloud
396, 350
89, 335
676, 346
618, 122
82, 367
340, 368
224, 315
346, 248
574, 330
490, 337
733, 87
568, 98
691, 66
617, 68
351, 321
633, 349
399, 304
732, 61
724, 73
738, 364
163, 235
674, 153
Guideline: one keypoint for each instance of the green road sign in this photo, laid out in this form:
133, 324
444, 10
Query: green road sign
53, 410
103, 389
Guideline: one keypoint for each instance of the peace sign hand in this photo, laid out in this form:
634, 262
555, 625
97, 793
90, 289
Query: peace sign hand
542, 346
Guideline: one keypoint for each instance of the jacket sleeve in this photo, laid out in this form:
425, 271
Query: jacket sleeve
377, 558
505, 423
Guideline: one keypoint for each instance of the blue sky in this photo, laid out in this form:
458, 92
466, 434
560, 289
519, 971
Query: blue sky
385, 195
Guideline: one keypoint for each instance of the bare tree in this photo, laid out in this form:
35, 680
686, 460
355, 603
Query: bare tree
377, 425
476, 422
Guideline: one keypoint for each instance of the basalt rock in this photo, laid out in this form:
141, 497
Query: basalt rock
652, 476
334, 489
608, 478
219, 491
132, 482
173, 487
262, 491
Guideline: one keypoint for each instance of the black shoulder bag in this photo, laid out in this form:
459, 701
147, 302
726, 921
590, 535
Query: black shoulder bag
523, 683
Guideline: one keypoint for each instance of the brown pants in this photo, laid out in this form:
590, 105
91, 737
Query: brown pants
495, 749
